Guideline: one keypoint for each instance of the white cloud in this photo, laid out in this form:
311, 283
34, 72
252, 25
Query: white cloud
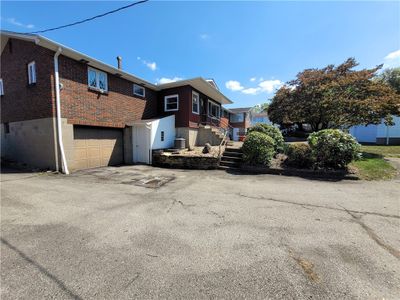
234, 85
265, 86
163, 80
252, 79
393, 55
14, 22
251, 91
270, 85
204, 36
392, 59
151, 65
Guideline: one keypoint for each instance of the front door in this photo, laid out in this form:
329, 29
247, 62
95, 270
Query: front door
141, 144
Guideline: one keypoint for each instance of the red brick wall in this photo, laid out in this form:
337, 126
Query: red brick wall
185, 104
20, 101
113, 109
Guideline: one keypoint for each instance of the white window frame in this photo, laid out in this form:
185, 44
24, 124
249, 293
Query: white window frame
32, 76
198, 102
142, 87
1, 87
169, 97
210, 102
98, 72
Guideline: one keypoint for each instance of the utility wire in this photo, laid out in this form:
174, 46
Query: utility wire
89, 19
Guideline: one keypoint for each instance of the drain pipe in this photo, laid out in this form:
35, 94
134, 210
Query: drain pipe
58, 108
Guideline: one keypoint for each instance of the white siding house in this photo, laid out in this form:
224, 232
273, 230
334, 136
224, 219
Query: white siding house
378, 134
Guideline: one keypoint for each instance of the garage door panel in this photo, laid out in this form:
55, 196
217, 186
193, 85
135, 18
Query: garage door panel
97, 147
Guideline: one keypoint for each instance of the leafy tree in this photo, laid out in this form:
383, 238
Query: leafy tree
259, 108
391, 77
335, 97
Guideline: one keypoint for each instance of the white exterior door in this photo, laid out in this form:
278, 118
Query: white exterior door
141, 144
235, 134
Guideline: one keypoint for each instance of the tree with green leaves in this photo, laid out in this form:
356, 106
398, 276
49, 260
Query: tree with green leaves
335, 97
391, 76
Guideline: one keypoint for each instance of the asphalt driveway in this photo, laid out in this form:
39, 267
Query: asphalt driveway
143, 232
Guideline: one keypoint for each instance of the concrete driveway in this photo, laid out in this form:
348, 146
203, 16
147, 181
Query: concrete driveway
142, 232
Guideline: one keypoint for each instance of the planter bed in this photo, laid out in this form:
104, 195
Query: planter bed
185, 159
307, 173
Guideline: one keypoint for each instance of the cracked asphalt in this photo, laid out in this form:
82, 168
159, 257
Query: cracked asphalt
142, 232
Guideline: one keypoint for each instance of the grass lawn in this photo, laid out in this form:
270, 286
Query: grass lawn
373, 166
388, 151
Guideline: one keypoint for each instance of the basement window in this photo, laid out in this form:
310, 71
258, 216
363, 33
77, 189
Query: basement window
97, 80
32, 73
171, 103
138, 90
1, 87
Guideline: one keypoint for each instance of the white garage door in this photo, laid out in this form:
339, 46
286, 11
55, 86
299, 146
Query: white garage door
97, 147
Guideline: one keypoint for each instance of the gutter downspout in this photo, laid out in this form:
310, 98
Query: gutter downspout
58, 108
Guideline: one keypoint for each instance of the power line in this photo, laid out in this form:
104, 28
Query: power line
89, 19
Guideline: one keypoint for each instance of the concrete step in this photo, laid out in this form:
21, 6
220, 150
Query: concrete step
229, 164
231, 149
227, 168
234, 154
231, 158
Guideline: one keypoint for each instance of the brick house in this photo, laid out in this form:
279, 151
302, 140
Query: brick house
61, 109
240, 120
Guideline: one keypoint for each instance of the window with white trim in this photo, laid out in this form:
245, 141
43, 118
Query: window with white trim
195, 103
1, 87
171, 103
138, 90
32, 72
97, 80
214, 110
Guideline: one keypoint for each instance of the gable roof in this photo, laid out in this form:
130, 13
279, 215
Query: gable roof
198, 82
240, 110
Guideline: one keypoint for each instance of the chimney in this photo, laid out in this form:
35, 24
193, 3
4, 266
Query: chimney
119, 60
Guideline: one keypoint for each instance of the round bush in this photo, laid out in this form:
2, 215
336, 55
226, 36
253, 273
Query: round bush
271, 131
333, 148
258, 149
299, 155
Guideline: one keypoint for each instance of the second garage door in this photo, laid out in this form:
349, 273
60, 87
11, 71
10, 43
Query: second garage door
97, 147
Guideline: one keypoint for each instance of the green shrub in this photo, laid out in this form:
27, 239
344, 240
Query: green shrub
258, 149
271, 131
299, 155
332, 148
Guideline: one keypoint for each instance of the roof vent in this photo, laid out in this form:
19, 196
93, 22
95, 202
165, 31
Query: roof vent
119, 60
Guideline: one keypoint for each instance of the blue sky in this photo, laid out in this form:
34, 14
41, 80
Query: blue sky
249, 48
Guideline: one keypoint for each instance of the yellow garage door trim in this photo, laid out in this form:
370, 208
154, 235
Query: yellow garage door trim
97, 147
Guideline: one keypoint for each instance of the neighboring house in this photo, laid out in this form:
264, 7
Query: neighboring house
378, 134
61, 108
240, 121
261, 117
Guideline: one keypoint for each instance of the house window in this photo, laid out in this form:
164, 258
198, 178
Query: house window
171, 103
97, 80
195, 103
1, 87
138, 90
236, 118
32, 73
162, 136
214, 110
